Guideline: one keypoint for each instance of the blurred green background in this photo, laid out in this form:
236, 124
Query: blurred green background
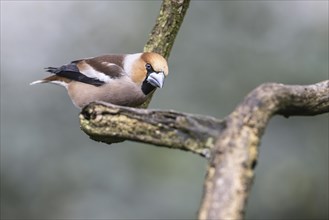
51, 170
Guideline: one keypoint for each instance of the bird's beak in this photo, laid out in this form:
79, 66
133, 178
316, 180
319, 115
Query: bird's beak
156, 79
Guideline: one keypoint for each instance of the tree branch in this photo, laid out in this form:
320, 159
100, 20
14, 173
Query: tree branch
110, 123
233, 156
164, 32
167, 25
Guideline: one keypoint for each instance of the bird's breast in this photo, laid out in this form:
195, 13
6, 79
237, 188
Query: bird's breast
119, 92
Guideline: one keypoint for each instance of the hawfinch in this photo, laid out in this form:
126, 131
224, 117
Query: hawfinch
118, 79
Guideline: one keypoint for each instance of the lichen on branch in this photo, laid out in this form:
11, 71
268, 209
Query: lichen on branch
169, 20
110, 123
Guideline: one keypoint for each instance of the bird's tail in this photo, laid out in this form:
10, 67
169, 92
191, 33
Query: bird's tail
38, 82
53, 70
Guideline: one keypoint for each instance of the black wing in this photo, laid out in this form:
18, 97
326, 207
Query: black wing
72, 72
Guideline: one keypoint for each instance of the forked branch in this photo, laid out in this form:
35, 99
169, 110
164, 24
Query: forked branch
231, 144
231, 167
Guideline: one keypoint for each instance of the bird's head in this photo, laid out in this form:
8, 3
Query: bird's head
149, 70
156, 68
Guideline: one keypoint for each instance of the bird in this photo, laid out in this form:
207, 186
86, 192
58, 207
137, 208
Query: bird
120, 79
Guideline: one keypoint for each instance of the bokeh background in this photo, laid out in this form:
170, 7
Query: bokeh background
51, 170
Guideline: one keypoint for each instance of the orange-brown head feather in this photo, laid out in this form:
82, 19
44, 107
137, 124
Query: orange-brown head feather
158, 63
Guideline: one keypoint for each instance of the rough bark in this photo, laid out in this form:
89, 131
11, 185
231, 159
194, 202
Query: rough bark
231, 168
230, 144
110, 123
167, 25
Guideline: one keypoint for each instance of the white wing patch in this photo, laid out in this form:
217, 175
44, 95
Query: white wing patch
108, 64
92, 73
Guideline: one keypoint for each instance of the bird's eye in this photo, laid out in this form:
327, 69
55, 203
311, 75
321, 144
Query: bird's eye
148, 67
